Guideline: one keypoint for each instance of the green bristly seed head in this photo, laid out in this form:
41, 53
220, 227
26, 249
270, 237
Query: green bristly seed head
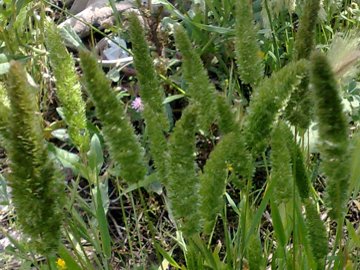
200, 90
229, 151
152, 96
305, 37
151, 91
118, 133
316, 233
37, 189
248, 54
332, 133
268, 99
226, 119
281, 172
299, 170
68, 88
299, 110
183, 183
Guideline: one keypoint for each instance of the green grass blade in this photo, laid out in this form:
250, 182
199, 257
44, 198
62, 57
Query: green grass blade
66, 256
167, 256
277, 224
103, 225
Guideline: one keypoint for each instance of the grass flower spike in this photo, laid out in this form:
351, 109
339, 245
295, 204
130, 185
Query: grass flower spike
333, 134
37, 189
248, 54
183, 184
201, 91
268, 99
68, 88
152, 96
118, 132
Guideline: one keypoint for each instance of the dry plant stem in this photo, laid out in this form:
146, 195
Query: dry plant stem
294, 226
125, 220
244, 223
294, 212
227, 238
338, 241
150, 223
139, 235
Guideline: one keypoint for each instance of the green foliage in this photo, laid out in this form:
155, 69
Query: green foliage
248, 53
193, 260
333, 134
255, 253
37, 189
199, 89
118, 132
316, 233
68, 88
268, 99
152, 96
183, 184
281, 171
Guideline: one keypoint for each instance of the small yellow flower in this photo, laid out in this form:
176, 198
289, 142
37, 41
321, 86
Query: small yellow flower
229, 167
260, 54
61, 264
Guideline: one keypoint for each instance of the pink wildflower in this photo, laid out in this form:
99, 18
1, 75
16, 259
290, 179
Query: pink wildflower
137, 104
